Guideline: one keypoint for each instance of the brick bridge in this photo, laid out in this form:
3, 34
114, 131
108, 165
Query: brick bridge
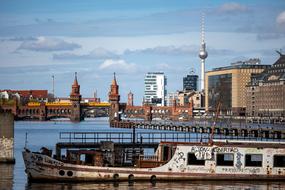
74, 110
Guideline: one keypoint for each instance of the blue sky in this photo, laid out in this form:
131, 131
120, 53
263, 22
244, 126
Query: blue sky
95, 38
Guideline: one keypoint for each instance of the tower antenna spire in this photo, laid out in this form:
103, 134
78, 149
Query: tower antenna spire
203, 28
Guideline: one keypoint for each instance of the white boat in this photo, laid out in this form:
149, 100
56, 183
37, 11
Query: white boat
220, 160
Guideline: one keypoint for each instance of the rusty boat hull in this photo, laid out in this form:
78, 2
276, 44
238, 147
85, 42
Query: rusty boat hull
190, 161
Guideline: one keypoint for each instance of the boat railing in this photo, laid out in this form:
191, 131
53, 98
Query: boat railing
154, 137
124, 137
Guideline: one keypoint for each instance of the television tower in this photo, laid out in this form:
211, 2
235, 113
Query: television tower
203, 54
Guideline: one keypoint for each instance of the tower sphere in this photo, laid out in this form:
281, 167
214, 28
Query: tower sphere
203, 54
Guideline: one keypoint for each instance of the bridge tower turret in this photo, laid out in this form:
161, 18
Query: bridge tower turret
75, 98
130, 99
114, 99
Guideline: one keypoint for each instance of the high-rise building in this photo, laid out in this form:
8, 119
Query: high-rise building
265, 99
227, 86
190, 83
155, 88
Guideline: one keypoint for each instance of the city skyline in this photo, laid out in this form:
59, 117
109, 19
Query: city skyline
39, 40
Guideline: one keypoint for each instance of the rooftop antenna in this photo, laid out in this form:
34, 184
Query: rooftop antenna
203, 28
192, 71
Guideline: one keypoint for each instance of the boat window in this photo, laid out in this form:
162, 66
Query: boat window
253, 160
192, 160
166, 150
225, 159
279, 161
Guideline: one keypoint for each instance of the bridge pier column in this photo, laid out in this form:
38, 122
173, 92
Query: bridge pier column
76, 112
7, 137
43, 113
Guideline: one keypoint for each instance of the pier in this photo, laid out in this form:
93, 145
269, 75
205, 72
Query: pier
248, 131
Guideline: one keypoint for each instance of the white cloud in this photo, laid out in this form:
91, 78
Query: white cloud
232, 8
98, 53
22, 38
166, 50
180, 50
47, 44
280, 20
118, 65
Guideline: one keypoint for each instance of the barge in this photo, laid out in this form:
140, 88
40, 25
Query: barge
219, 160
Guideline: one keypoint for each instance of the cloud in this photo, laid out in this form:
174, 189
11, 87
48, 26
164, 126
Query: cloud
47, 44
166, 50
280, 20
40, 21
269, 36
21, 38
118, 65
232, 8
98, 53
181, 50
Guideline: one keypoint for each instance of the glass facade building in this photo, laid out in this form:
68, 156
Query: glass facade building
227, 85
220, 90
190, 82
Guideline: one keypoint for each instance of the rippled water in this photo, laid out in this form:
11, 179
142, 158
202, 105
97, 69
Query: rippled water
46, 134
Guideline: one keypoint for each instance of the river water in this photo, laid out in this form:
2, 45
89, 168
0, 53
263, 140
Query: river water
47, 134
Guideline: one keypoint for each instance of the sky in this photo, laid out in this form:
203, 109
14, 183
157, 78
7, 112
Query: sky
39, 39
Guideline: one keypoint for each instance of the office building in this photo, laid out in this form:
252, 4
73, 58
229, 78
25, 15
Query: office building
266, 93
155, 88
190, 83
227, 86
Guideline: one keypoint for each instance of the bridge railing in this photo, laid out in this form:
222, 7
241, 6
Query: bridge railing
150, 137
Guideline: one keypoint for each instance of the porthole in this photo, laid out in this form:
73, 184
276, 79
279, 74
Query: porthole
70, 173
116, 177
153, 179
131, 178
61, 172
